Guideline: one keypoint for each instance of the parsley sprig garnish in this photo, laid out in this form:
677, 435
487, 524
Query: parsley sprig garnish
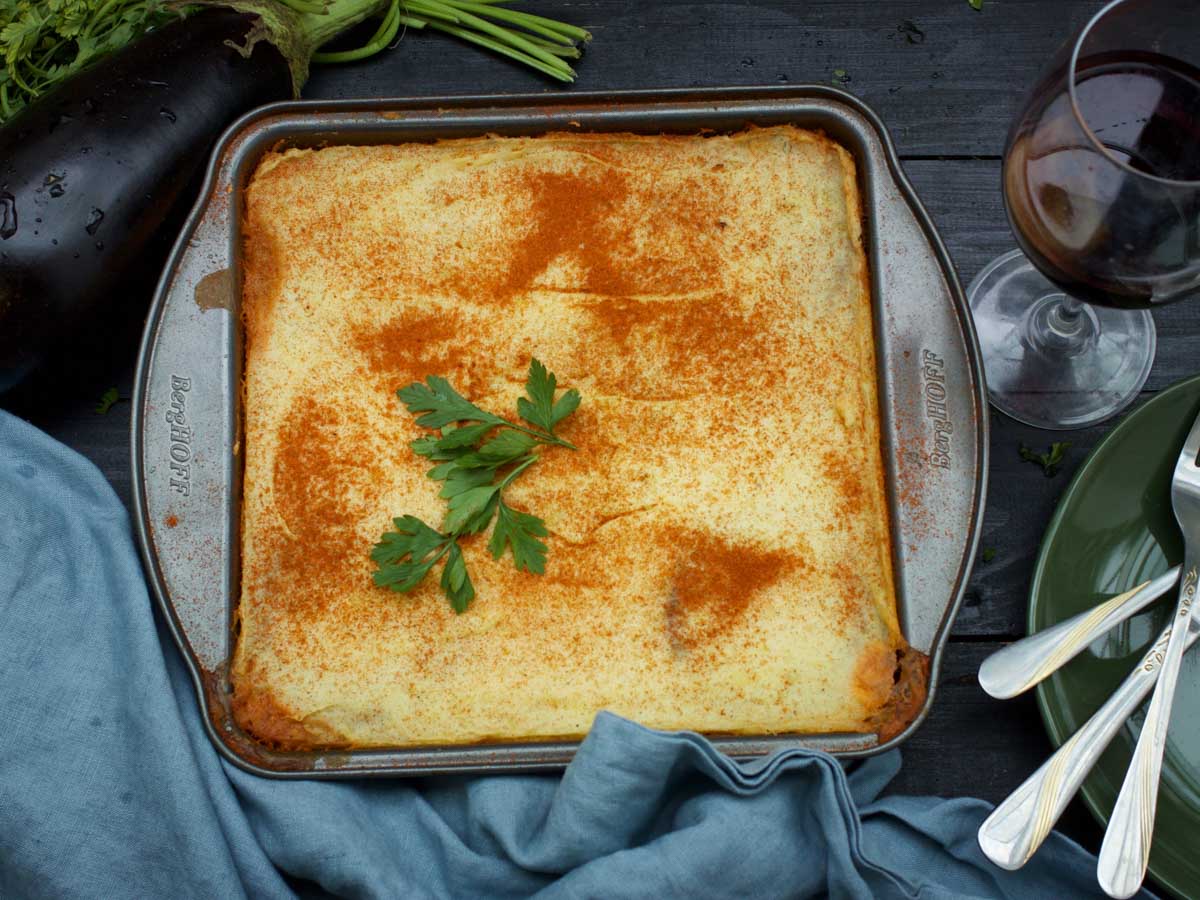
477, 455
107, 401
1050, 460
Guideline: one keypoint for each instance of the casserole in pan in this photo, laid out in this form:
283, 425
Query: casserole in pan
189, 442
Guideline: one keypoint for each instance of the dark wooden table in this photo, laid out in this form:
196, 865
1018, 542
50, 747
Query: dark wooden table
947, 80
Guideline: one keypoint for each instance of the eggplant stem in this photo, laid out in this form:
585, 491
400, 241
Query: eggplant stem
383, 36
305, 6
337, 17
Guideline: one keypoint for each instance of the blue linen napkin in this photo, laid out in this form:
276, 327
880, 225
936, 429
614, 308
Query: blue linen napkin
109, 787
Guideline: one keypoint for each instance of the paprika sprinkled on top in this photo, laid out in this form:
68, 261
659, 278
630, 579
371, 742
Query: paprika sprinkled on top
720, 547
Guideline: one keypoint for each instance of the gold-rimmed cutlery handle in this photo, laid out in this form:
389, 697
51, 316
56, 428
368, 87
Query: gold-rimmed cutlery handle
1022, 664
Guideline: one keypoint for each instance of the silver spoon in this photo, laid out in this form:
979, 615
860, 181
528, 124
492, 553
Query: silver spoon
1024, 663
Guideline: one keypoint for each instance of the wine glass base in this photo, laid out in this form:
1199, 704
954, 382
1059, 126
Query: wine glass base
1055, 379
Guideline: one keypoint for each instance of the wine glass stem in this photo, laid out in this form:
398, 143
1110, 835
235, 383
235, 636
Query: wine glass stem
1060, 324
1066, 317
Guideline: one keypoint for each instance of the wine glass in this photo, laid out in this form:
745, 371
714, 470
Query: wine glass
1102, 189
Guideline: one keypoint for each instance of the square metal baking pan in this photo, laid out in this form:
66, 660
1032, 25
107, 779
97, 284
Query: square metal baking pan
187, 396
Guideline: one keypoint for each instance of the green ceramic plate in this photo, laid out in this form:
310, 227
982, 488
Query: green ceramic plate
1114, 529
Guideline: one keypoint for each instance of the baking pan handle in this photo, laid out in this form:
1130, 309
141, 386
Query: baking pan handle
938, 451
186, 436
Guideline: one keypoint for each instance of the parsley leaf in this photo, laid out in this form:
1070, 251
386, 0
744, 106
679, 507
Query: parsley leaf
1049, 461
506, 447
426, 446
405, 556
482, 519
107, 401
412, 537
567, 404
520, 531
442, 404
460, 480
540, 408
456, 583
465, 437
976, 5
465, 506
989, 553
475, 462
442, 471
540, 386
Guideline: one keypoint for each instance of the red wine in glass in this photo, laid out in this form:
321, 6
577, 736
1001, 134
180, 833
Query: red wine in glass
1101, 183
1096, 227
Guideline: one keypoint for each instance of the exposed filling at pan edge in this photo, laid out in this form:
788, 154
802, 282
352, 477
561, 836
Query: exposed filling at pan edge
720, 555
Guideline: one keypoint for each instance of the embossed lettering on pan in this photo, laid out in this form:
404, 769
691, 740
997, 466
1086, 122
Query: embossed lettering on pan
935, 408
180, 448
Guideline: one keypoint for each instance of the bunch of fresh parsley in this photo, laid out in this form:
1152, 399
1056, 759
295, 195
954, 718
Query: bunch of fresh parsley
43, 42
477, 455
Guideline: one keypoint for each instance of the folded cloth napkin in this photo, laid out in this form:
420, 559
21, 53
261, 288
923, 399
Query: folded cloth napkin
109, 787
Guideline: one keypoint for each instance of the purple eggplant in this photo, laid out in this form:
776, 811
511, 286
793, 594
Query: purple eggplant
96, 173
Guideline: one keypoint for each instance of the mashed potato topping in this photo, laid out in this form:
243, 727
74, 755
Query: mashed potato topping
719, 550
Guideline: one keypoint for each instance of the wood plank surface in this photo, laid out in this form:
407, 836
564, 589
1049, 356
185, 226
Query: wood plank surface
949, 85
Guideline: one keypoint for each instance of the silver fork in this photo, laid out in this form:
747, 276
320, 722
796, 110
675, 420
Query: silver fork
1125, 851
